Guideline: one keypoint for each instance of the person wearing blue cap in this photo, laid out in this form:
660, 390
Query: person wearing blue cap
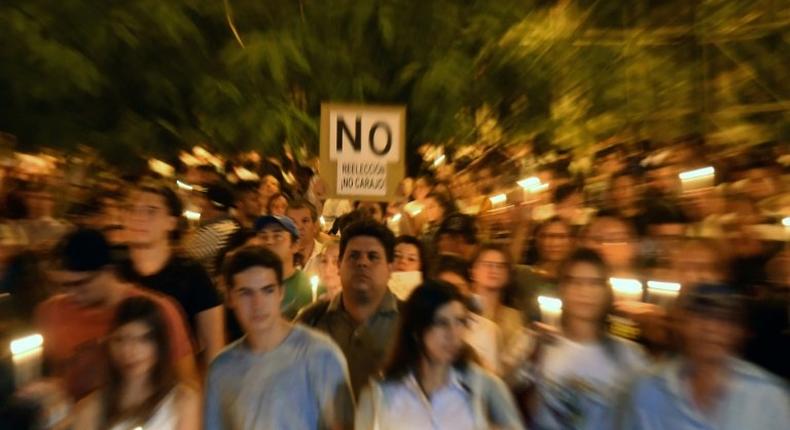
280, 235
708, 387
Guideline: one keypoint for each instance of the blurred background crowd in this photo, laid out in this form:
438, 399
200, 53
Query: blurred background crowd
499, 222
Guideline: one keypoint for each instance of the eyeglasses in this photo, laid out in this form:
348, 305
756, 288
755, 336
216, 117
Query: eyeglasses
493, 265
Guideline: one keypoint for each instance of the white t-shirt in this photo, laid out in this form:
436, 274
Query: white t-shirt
578, 383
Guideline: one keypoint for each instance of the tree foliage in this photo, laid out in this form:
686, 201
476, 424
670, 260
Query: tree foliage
154, 76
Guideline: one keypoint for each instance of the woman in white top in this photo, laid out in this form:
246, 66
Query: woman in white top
141, 390
431, 382
580, 373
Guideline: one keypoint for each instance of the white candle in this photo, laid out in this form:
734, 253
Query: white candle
314, 286
27, 353
550, 310
626, 289
661, 292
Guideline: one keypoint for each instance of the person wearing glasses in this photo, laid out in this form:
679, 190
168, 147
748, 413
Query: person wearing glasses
431, 380
75, 322
493, 289
578, 374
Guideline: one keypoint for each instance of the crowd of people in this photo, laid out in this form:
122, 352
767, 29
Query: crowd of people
647, 289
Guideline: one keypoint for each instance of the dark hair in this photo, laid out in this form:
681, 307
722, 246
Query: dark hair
173, 204
83, 250
411, 240
162, 377
304, 204
243, 187
588, 256
417, 317
444, 200
381, 205
564, 191
613, 215
369, 228
248, 257
272, 199
533, 255
448, 263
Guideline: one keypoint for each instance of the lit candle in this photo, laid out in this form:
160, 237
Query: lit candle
314, 286
192, 215
698, 178
26, 353
626, 289
662, 293
550, 310
497, 199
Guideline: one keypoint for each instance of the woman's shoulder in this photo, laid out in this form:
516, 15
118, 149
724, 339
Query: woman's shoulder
185, 394
87, 412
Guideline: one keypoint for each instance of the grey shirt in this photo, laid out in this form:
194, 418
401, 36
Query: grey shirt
301, 384
366, 346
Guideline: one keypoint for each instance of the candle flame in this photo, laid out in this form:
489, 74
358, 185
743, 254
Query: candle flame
26, 344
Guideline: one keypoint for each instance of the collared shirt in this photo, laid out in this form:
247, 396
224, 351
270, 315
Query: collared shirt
407, 406
310, 267
753, 399
302, 384
366, 346
473, 398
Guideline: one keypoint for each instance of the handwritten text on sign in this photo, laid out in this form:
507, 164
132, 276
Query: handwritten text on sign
362, 144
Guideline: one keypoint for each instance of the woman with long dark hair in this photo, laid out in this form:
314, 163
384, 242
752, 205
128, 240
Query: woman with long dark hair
580, 371
142, 390
431, 379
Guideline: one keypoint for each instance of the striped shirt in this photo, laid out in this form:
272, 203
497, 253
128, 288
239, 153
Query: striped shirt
206, 244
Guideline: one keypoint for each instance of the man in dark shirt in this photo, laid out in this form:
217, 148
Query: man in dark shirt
363, 318
152, 219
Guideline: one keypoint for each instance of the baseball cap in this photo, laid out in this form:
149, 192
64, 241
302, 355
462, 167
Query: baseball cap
460, 224
283, 221
715, 300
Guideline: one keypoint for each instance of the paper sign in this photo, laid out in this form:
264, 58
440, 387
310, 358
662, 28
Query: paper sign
362, 150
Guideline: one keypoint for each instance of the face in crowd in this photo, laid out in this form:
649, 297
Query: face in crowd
407, 258
328, 269
372, 209
133, 350
709, 339
554, 241
148, 219
278, 205
305, 223
585, 292
444, 339
255, 298
491, 270
269, 187
364, 269
277, 239
614, 240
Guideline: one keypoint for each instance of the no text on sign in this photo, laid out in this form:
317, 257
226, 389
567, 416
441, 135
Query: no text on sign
362, 150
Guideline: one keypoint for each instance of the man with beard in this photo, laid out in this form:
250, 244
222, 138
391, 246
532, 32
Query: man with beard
363, 318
